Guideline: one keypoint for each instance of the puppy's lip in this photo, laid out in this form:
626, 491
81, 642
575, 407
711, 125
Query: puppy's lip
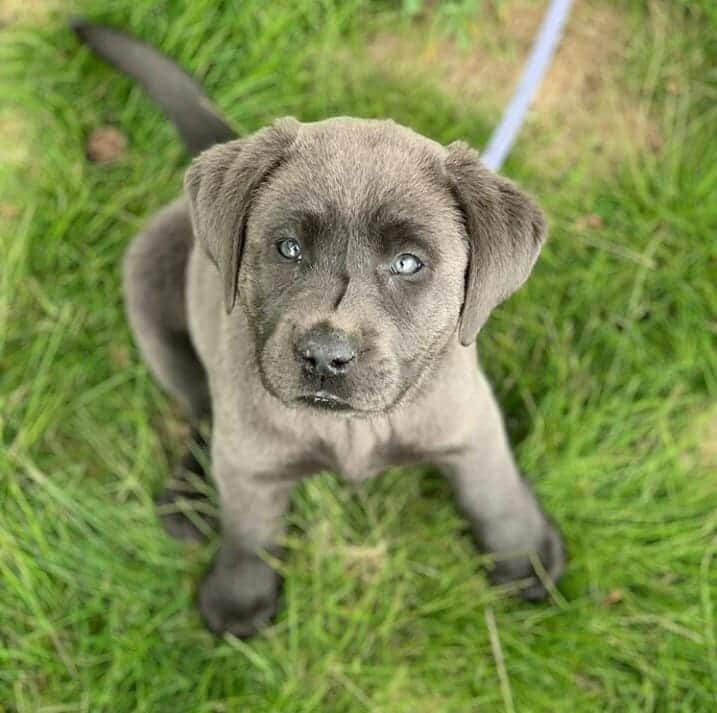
325, 399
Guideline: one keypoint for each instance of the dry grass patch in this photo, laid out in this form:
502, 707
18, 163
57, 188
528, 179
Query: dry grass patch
15, 151
364, 562
14, 139
28, 11
583, 108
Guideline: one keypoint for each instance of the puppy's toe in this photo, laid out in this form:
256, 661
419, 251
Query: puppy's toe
241, 609
551, 555
227, 617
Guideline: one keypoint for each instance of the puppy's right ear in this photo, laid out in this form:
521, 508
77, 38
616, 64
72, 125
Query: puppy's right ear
220, 184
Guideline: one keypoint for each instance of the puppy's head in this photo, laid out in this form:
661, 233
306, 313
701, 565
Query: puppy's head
359, 251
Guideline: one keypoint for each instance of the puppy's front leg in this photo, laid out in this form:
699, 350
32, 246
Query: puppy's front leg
239, 594
504, 514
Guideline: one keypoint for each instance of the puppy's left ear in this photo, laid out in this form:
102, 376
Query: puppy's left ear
505, 233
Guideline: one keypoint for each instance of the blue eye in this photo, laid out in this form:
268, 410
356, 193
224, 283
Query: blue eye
290, 249
406, 264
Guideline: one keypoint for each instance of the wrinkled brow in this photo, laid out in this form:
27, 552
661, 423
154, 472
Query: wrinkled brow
307, 225
390, 232
385, 230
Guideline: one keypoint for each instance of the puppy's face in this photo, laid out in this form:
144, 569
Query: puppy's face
355, 256
353, 268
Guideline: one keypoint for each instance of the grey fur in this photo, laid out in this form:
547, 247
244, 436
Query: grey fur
177, 94
218, 314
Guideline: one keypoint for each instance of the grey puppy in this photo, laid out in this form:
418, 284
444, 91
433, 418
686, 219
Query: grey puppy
317, 292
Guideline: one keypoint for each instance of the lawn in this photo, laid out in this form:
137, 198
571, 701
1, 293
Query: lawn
605, 364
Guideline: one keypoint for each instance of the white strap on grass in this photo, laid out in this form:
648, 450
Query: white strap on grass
538, 61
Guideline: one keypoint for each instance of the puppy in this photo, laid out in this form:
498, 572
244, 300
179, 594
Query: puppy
317, 292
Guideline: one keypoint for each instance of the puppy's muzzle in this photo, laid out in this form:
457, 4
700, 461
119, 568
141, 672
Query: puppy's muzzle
325, 351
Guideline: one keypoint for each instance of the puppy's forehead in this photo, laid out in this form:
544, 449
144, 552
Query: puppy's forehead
358, 165
361, 138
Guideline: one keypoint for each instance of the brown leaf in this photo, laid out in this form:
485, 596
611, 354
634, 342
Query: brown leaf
119, 354
613, 597
106, 144
8, 211
591, 220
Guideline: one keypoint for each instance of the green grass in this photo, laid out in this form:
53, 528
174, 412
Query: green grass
605, 363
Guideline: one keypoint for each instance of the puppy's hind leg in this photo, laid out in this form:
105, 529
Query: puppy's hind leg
154, 288
184, 506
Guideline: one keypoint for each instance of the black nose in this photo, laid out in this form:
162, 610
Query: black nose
326, 351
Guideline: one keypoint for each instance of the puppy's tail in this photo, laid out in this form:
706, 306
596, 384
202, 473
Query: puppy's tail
199, 124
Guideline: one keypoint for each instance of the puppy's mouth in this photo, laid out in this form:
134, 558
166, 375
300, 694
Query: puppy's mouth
325, 400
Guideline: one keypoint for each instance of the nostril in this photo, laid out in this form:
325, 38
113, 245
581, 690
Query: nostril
341, 362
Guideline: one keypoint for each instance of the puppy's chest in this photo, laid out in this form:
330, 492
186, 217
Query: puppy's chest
351, 464
356, 453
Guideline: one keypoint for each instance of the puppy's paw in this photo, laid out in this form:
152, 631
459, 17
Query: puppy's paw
551, 555
240, 600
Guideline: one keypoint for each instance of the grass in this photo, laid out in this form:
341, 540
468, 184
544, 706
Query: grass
605, 363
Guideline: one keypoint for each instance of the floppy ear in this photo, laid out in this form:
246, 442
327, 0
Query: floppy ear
220, 184
505, 233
